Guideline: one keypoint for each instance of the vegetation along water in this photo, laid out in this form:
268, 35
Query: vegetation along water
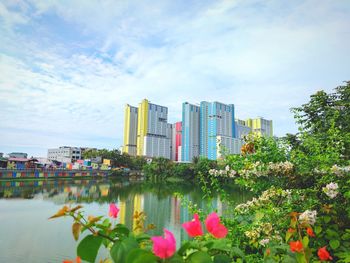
297, 207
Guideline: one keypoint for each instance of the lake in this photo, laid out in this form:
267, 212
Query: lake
26, 234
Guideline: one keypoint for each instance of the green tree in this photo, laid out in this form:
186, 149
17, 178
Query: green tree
324, 130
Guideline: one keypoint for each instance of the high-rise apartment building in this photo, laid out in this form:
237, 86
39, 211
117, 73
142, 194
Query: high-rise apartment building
190, 131
216, 119
209, 130
153, 130
228, 145
242, 129
176, 141
260, 126
130, 130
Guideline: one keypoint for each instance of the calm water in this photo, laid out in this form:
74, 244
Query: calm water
26, 235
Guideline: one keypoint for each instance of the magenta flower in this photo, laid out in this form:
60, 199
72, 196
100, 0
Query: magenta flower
113, 210
194, 227
214, 226
164, 247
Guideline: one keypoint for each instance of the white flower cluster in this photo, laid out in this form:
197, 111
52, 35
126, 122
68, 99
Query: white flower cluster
256, 169
308, 217
331, 190
283, 168
255, 233
265, 232
264, 241
259, 169
320, 171
265, 198
252, 234
340, 171
227, 172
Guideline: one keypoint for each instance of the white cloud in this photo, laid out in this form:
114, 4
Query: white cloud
263, 56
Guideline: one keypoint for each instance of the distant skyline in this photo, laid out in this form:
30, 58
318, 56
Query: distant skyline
67, 68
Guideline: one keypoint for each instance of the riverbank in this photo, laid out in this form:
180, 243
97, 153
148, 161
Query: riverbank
41, 174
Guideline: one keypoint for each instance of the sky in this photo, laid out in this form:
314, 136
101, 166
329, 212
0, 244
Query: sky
68, 67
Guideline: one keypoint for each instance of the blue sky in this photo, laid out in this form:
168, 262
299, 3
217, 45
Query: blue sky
67, 68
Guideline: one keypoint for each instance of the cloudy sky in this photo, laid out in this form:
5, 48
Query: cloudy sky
67, 68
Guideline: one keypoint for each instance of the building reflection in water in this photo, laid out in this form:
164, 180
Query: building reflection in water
159, 202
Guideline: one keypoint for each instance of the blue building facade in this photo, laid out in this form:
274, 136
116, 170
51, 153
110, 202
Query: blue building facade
201, 126
217, 119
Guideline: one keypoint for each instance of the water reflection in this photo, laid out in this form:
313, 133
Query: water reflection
159, 202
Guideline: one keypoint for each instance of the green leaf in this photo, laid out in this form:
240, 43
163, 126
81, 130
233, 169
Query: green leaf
305, 241
175, 259
331, 234
88, 247
185, 246
289, 235
346, 236
334, 243
138, 255
300, 258
287, 259
347, 194
259, 215
317, 229
326, 219
221, 258
219, 244
120, 249
237, 252
121, 230
142, 237
199, 257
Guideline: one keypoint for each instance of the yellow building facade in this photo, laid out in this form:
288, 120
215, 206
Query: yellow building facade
130, 130
142, 126
260, 126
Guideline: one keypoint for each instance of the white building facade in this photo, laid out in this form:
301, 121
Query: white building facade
154, 131
65, 154
242, 129
228, 145
190, 131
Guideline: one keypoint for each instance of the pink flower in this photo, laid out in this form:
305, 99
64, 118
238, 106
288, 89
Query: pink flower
194, 227
214, 226
164, 247
113, 210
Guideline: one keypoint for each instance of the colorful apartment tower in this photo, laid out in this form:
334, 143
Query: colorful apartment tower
176, 141
216, 120
260, 126
153, 130
190, 132
130, 130
209, 130
242, 129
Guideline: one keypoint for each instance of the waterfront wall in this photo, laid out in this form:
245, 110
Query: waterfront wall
38, 173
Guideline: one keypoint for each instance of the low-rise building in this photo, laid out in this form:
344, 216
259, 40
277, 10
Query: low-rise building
64, 154
18, 155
